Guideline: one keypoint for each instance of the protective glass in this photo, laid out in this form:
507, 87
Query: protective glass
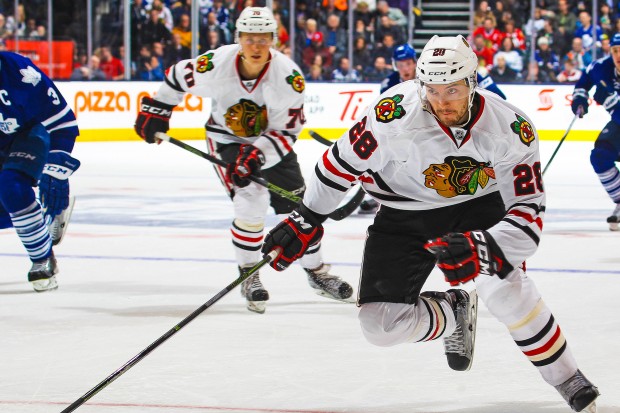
437, 93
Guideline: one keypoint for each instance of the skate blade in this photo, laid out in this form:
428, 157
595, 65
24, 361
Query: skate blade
328, 295
473, 305
45, 284
59, 233
257, 306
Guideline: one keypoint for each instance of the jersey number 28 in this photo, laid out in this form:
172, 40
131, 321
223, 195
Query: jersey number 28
362, 140
528, 179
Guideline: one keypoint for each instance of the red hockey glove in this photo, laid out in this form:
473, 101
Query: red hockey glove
154, 116
294, 235
462, 257
248, 162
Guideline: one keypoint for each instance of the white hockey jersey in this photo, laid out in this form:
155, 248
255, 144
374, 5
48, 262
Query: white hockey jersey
266, 112
406, 159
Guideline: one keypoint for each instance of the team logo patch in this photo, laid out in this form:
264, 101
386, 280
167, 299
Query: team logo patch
30, 75
246, 118
389, 109
458, 175
523, 128
8, 125
204, 63
296, 80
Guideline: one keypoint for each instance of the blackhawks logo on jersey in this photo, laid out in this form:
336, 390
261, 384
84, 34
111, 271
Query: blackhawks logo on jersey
296, 80
246, 118
204, 63
389, 109
458, 175
523, 128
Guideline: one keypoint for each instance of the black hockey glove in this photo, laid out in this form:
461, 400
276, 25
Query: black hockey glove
294, 235
54, 182
580, 100
462, 257
249, 161
154, 116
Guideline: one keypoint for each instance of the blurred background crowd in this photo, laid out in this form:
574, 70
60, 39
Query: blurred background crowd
515, 44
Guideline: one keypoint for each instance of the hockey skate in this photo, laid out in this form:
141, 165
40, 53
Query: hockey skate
459, 347
327, 285
59, 224
368, 206
614, 219
579, 393
42, 275
254, 292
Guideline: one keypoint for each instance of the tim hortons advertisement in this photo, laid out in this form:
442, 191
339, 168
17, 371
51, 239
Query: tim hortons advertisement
107, 110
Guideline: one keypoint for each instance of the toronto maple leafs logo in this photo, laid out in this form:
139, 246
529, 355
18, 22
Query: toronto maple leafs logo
9, 125
30, 75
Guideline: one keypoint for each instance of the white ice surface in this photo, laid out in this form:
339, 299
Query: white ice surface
149, 243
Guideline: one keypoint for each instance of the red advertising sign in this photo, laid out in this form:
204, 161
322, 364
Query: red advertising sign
38, 52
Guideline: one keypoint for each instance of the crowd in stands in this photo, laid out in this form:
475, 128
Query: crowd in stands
502, 36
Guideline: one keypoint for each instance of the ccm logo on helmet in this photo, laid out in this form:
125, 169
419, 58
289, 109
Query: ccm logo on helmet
436, 73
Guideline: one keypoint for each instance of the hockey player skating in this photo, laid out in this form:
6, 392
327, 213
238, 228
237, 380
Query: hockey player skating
603, 74
37, 134
258, 96
460, 167
404, 63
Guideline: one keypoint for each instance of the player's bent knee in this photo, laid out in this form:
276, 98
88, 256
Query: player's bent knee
508, 298
603, 157
381, 325
249, 226
13, 184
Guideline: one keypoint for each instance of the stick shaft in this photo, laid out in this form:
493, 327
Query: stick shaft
141, 355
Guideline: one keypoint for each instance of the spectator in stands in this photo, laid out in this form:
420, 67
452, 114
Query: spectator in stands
482, 12
179, 8
92, 71
379, 71
175, 51
548, 62
158, 51
214, 40
556, 40
311, 27
316, 48
138, 17
154, 29
335, 37
330, 7
567, 20
315, 74
501, 72
577, 53
212, 25
501, 15
361, 31
606, 19
345, 73
532, 73
604, 48
489, 32
18, 26
516, 34
164, 13
184, 30
4, 31
387, 27
111, 65
569, 74
282, 32
396, 16
385, 49
362, 12
533, 26
511, 56
482, 51
584, 30
361, 55
223, 18
148, 66
31, 30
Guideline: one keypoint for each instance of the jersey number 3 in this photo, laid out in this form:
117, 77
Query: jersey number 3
362, 140
528, 179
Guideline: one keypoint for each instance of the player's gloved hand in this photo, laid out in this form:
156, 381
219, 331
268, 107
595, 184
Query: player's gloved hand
580, 100
462, 257
154, 116
54, 183
249, 161
294, 235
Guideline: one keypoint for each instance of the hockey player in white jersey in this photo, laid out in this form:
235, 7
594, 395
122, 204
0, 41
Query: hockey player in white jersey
37, 133
258, 97
457, 172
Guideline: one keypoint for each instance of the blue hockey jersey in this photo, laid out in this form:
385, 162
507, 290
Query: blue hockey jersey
602, 74
27, 98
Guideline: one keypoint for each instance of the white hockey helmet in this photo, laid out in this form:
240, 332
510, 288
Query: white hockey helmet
256, 20
446, 60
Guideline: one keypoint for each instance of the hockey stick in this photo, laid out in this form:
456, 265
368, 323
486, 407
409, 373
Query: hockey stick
141, 355
336, 215
357, 199
570, 125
